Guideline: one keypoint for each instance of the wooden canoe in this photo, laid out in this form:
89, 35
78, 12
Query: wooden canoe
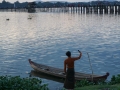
57, 72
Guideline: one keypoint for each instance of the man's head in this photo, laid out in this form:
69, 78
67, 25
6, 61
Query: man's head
68, 53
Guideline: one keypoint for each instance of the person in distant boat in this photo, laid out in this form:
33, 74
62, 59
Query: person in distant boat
70, 73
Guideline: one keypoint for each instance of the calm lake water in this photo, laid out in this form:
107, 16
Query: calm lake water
47, 36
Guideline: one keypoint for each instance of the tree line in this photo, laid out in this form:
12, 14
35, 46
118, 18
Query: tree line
17, 4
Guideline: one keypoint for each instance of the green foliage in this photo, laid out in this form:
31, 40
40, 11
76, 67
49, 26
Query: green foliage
83, 83
18, 83
114, 80
100, 87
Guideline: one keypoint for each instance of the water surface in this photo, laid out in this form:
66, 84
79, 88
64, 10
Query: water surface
47, 36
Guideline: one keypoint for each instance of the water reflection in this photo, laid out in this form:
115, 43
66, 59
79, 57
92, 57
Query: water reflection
47, 36
44, 76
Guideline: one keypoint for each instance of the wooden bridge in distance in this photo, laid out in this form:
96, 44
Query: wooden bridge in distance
97, 9
84, 9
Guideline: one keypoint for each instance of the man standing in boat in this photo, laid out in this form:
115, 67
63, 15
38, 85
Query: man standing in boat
70, 73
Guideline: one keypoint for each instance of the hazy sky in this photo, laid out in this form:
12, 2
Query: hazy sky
49, 0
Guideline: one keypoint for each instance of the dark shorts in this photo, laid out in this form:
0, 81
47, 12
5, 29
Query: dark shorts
70, 79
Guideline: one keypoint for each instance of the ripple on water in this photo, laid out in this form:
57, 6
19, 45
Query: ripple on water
46, 40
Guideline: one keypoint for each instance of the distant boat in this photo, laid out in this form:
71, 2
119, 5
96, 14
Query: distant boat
58, 73
7, 19
29, 18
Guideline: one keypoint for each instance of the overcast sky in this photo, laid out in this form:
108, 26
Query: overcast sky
50, 0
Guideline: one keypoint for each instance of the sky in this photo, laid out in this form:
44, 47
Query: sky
12, 1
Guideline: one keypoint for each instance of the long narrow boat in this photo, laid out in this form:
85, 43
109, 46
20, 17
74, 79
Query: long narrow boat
57, 72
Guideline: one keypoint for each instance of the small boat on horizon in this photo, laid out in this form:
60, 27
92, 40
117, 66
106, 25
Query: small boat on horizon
7, 19
59, 73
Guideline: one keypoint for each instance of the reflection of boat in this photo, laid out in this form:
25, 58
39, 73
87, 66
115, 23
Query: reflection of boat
58, 73
45, 76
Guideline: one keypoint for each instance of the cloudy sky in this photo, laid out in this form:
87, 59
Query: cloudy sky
49, 0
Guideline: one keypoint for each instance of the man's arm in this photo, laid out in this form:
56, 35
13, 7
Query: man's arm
77, 58
64, 67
